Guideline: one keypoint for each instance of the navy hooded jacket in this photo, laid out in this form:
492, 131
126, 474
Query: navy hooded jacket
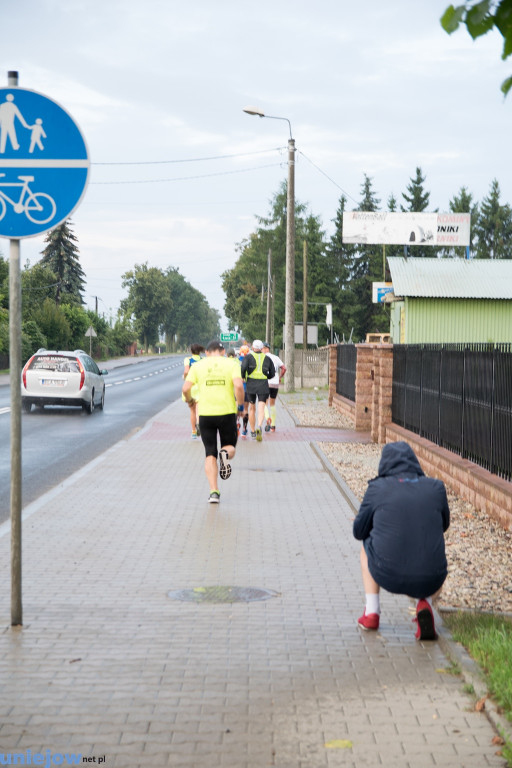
401, 521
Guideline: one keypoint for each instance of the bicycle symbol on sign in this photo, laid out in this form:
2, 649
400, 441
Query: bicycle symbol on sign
38, 207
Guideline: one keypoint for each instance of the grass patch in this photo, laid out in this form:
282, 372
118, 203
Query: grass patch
488, 640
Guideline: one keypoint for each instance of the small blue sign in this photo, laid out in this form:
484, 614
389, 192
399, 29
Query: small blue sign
44, 163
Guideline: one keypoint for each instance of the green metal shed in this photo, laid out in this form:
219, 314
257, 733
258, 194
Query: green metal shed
445, 301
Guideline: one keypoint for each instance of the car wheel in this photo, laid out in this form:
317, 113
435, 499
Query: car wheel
26, 406
89, 406
102, 401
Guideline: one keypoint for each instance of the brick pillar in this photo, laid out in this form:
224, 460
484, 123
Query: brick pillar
364, 387
382, 394
332, 361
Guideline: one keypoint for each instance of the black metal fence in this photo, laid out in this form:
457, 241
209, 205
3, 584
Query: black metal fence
458, 397
346, 359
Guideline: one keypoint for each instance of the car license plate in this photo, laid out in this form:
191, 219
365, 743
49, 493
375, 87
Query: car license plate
53, 382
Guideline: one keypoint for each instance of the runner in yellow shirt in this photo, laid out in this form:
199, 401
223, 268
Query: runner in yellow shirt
194, 357
221, 393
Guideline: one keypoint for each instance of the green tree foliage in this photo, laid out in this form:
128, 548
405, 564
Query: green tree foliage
245, 284
188, 319
4, 282
417, 200
52, 322
338, 264
121, 336
32, 339
37, 284
148, 301
4, 332
462, 203
480, 16
493, 229
393, 250
78, 321
319, 290
367, 317
61, 255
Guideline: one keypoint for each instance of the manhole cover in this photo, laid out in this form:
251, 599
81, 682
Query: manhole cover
222, 594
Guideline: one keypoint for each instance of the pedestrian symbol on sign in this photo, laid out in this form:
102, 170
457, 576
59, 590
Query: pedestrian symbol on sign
44, 163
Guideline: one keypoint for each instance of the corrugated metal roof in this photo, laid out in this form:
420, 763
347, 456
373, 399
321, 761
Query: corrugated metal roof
451, 278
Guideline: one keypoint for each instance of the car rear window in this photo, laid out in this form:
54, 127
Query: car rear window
56, 363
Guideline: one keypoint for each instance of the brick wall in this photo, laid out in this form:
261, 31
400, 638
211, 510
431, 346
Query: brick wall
482, 489
372, 412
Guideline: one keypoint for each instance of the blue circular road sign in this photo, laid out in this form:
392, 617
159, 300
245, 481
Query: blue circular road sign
44, 163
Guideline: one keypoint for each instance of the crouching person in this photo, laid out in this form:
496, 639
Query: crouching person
401, 522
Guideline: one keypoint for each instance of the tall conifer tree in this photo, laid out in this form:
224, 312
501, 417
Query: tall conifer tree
417, 201
61, 255
494, 227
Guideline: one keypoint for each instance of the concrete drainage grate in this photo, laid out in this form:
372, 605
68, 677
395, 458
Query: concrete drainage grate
222, 594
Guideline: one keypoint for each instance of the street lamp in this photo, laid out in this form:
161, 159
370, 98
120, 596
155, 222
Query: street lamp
289, 307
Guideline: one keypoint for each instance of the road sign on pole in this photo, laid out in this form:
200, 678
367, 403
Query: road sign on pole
44, 168
44, 163
229, 336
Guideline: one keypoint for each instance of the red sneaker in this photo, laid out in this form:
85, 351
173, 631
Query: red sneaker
424, 616
369, 621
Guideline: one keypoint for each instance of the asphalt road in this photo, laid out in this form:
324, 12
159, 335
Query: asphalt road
57, 441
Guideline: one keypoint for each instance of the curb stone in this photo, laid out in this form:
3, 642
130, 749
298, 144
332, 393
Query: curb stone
470, 673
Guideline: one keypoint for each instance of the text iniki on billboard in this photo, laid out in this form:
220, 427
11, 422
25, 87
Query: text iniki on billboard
386, 228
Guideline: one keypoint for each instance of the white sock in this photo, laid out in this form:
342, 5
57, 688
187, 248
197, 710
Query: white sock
372, 604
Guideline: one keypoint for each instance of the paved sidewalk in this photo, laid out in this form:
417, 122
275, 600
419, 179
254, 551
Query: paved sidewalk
110, 667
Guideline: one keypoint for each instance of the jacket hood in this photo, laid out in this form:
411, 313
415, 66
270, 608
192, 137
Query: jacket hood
398, 459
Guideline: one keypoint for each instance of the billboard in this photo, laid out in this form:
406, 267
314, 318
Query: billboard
386, 228
453, 228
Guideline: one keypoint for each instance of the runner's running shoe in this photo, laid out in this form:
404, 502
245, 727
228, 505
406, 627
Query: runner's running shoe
214, 497
224, 465
259, 436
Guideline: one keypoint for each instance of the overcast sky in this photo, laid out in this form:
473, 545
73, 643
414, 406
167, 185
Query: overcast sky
158, 88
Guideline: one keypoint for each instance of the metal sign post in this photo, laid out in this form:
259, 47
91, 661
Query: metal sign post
91, 333
44, 167
15, 372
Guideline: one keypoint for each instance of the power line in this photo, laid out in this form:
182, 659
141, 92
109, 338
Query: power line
194, 159
188, 178
327, 176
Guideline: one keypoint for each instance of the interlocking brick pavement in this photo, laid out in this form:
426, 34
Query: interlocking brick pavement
108, 666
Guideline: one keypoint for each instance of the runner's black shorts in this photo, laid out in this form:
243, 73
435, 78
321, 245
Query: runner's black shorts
273, 392
225, 426
257, 388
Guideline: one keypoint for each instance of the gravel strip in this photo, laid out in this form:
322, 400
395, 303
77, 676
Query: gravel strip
478, 550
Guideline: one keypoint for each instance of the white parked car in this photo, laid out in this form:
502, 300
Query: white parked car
62, 378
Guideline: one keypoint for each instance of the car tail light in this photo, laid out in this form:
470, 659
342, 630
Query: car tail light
82, 372
25, 369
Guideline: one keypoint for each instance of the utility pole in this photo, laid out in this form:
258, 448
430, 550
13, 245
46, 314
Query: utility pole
289, 319
269, 296
272, 304
305, 300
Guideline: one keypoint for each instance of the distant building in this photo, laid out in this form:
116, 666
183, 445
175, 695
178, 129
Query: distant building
440, 301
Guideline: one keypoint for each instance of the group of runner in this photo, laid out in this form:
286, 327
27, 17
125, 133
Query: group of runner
227, 395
